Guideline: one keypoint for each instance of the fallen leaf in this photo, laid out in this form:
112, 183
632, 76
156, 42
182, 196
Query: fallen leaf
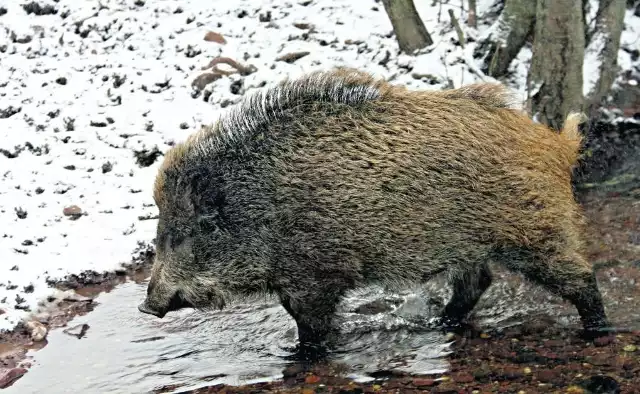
212, 36
311, 379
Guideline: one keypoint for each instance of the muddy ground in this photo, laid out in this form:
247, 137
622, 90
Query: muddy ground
532, 358
535, 357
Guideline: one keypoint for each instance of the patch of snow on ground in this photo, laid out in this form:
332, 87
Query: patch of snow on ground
84, 88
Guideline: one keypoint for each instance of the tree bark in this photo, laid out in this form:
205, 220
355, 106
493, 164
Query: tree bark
556, 68
472, 20
514, 26
586, 10
601, 54
407, 25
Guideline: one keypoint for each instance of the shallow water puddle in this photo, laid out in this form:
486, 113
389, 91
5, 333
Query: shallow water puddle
124, 351
116, 349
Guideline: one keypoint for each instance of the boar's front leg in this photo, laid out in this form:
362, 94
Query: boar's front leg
313, 310
468, 287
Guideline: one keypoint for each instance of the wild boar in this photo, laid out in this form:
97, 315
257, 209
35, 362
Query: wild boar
337, 179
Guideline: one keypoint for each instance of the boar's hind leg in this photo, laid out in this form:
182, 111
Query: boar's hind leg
468, 287
572, 279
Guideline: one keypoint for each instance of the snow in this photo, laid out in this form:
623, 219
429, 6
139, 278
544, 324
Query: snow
114, 77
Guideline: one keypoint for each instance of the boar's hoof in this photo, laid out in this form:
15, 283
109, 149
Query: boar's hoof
595, 325
591, 333
308, 352
453, 324
458, 327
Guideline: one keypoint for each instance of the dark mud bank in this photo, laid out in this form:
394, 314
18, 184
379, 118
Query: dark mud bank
611, 156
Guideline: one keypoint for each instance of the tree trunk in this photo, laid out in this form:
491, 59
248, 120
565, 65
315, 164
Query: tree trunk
586, 20
556, 67
407, 25
601, 54
472, 20
514, 26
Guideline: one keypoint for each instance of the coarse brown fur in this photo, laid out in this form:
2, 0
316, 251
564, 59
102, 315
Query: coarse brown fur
337, 179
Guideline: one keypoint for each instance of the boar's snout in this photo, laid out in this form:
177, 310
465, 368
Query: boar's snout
176, 302
145, 308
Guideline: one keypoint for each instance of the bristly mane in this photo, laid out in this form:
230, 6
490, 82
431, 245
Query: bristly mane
341, 86
254, 113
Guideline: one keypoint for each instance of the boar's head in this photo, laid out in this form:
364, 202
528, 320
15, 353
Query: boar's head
181, 276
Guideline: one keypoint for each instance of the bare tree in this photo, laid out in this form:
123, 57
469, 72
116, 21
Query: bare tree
514, 26
556, 75
407, 25
601, 53
588, 25
472, 19
575, 51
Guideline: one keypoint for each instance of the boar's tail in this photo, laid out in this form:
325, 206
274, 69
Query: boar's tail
571, 132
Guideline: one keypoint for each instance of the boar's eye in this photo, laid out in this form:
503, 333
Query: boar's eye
169, 240
176, 240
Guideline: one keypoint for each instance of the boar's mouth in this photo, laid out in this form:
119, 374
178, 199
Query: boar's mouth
176, 302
